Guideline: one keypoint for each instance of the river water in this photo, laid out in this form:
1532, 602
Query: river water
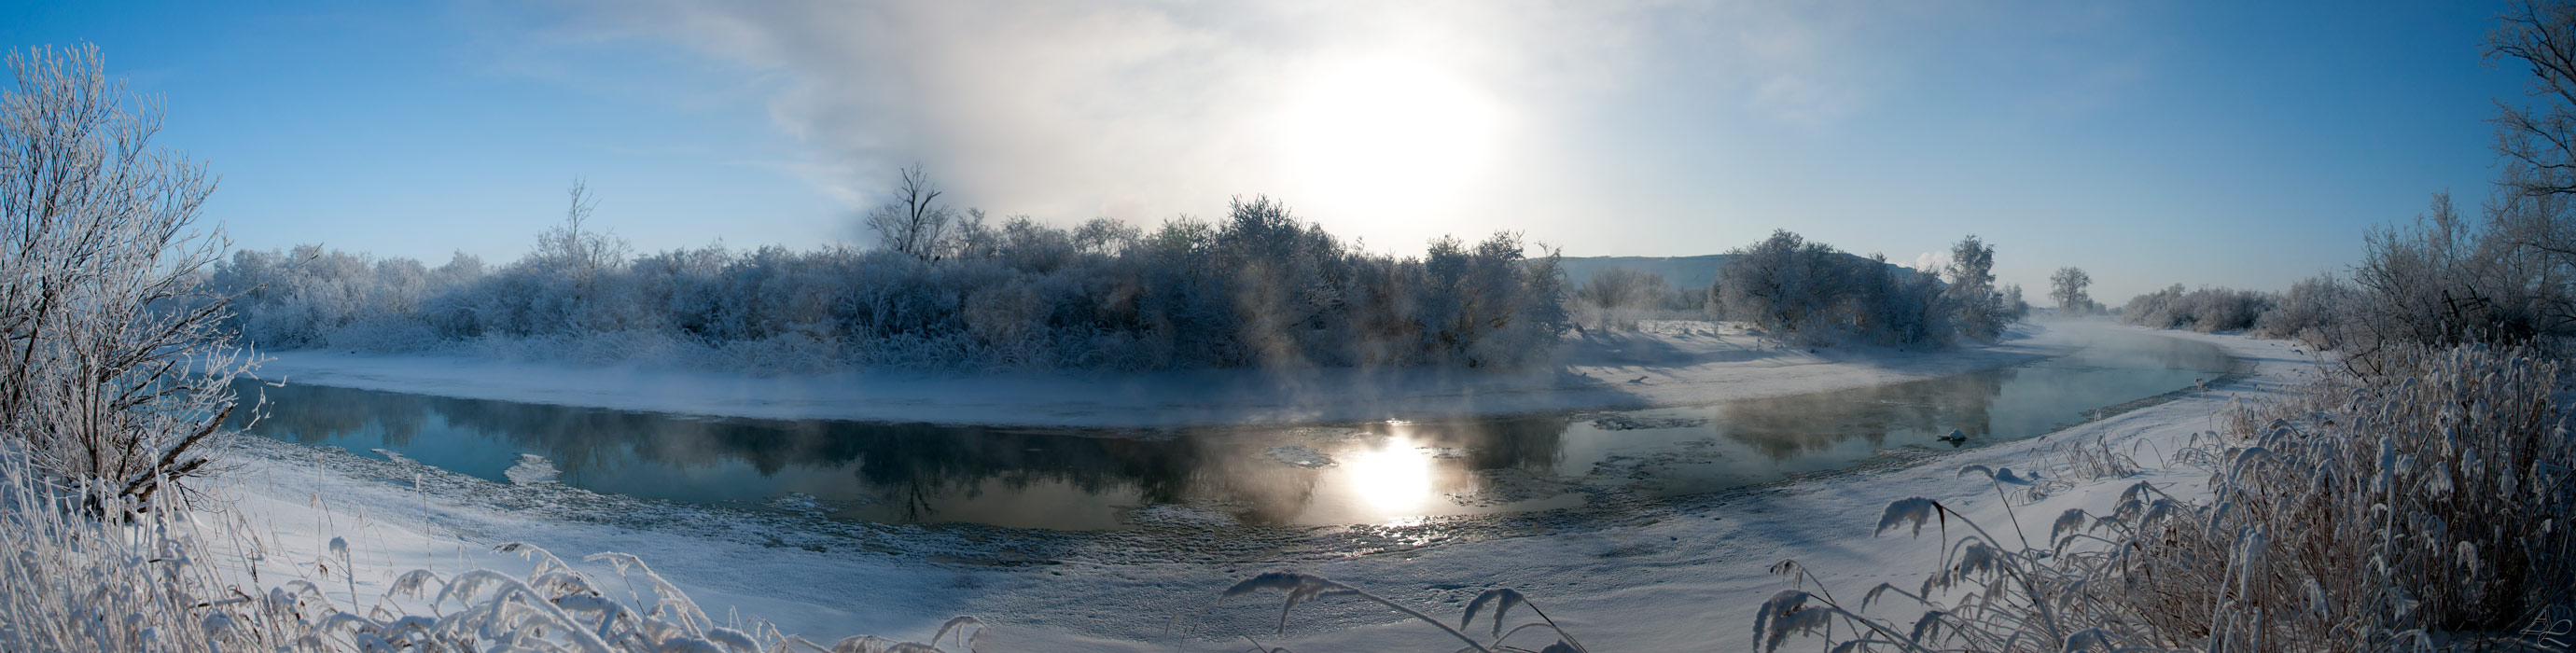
1377, 472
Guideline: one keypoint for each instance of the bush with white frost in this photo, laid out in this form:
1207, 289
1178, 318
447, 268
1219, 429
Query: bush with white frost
2314, 311
1810, 292
1621, 299
2206, 310
1259, 289
113, 359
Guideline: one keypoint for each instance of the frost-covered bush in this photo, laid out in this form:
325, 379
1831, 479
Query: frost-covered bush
1259, 289
2421, 507
1618, 298
116, 363
1810, 292
2317, 311
2446, 281
2207, 310
1785, 284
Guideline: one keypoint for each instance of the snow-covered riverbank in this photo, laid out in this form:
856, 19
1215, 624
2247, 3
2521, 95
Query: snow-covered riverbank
1680, 363
1666, 575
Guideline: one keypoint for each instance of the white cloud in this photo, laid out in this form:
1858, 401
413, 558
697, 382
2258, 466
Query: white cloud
1147, 108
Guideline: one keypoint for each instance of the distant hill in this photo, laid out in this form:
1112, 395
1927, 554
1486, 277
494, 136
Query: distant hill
1680, 271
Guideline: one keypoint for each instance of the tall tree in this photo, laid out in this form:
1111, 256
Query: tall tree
1981, 311
2067, 287
913, 221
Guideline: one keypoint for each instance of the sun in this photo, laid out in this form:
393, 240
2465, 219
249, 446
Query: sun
1387, 136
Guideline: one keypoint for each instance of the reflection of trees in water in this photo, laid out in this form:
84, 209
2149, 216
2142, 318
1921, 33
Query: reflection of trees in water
1783, 427
2149, 352
290, 413
918, 465
1534, 443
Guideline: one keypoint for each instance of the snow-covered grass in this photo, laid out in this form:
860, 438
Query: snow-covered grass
2422, 507
1296, 588
71, 583
158, 576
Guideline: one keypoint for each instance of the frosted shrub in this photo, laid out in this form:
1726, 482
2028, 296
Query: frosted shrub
1618, 298
2206, 310
2317, 311
2446, 280
1261, 289
1812, 293
1784, 284
117, 362
2422, 508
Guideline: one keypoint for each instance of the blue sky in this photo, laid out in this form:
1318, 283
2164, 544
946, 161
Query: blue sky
2244, 144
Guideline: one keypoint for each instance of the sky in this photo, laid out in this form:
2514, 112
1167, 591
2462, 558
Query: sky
2151, 143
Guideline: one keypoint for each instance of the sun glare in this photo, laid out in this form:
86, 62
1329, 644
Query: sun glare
1387, 135
1395, 477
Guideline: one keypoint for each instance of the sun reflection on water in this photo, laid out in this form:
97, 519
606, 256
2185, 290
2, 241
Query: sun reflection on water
1394, 476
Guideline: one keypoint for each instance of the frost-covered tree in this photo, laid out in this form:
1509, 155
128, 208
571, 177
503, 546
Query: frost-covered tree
575, 249
113, 361
1618, 297
1783, 284
1978, 307
2066, 286
2538, 139
2447, 280
914, 222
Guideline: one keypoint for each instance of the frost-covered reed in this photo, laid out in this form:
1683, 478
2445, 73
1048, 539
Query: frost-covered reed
147, 580
2423, 508
1495, 604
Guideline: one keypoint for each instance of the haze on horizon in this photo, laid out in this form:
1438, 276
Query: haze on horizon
2200, 143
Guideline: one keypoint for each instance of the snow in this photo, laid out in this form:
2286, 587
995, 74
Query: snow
532, 469
1299, 455
1681, 574
1669, 364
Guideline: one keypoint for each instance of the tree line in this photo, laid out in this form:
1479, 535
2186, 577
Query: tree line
945, 290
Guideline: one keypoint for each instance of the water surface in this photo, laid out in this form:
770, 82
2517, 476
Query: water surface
1356, 473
